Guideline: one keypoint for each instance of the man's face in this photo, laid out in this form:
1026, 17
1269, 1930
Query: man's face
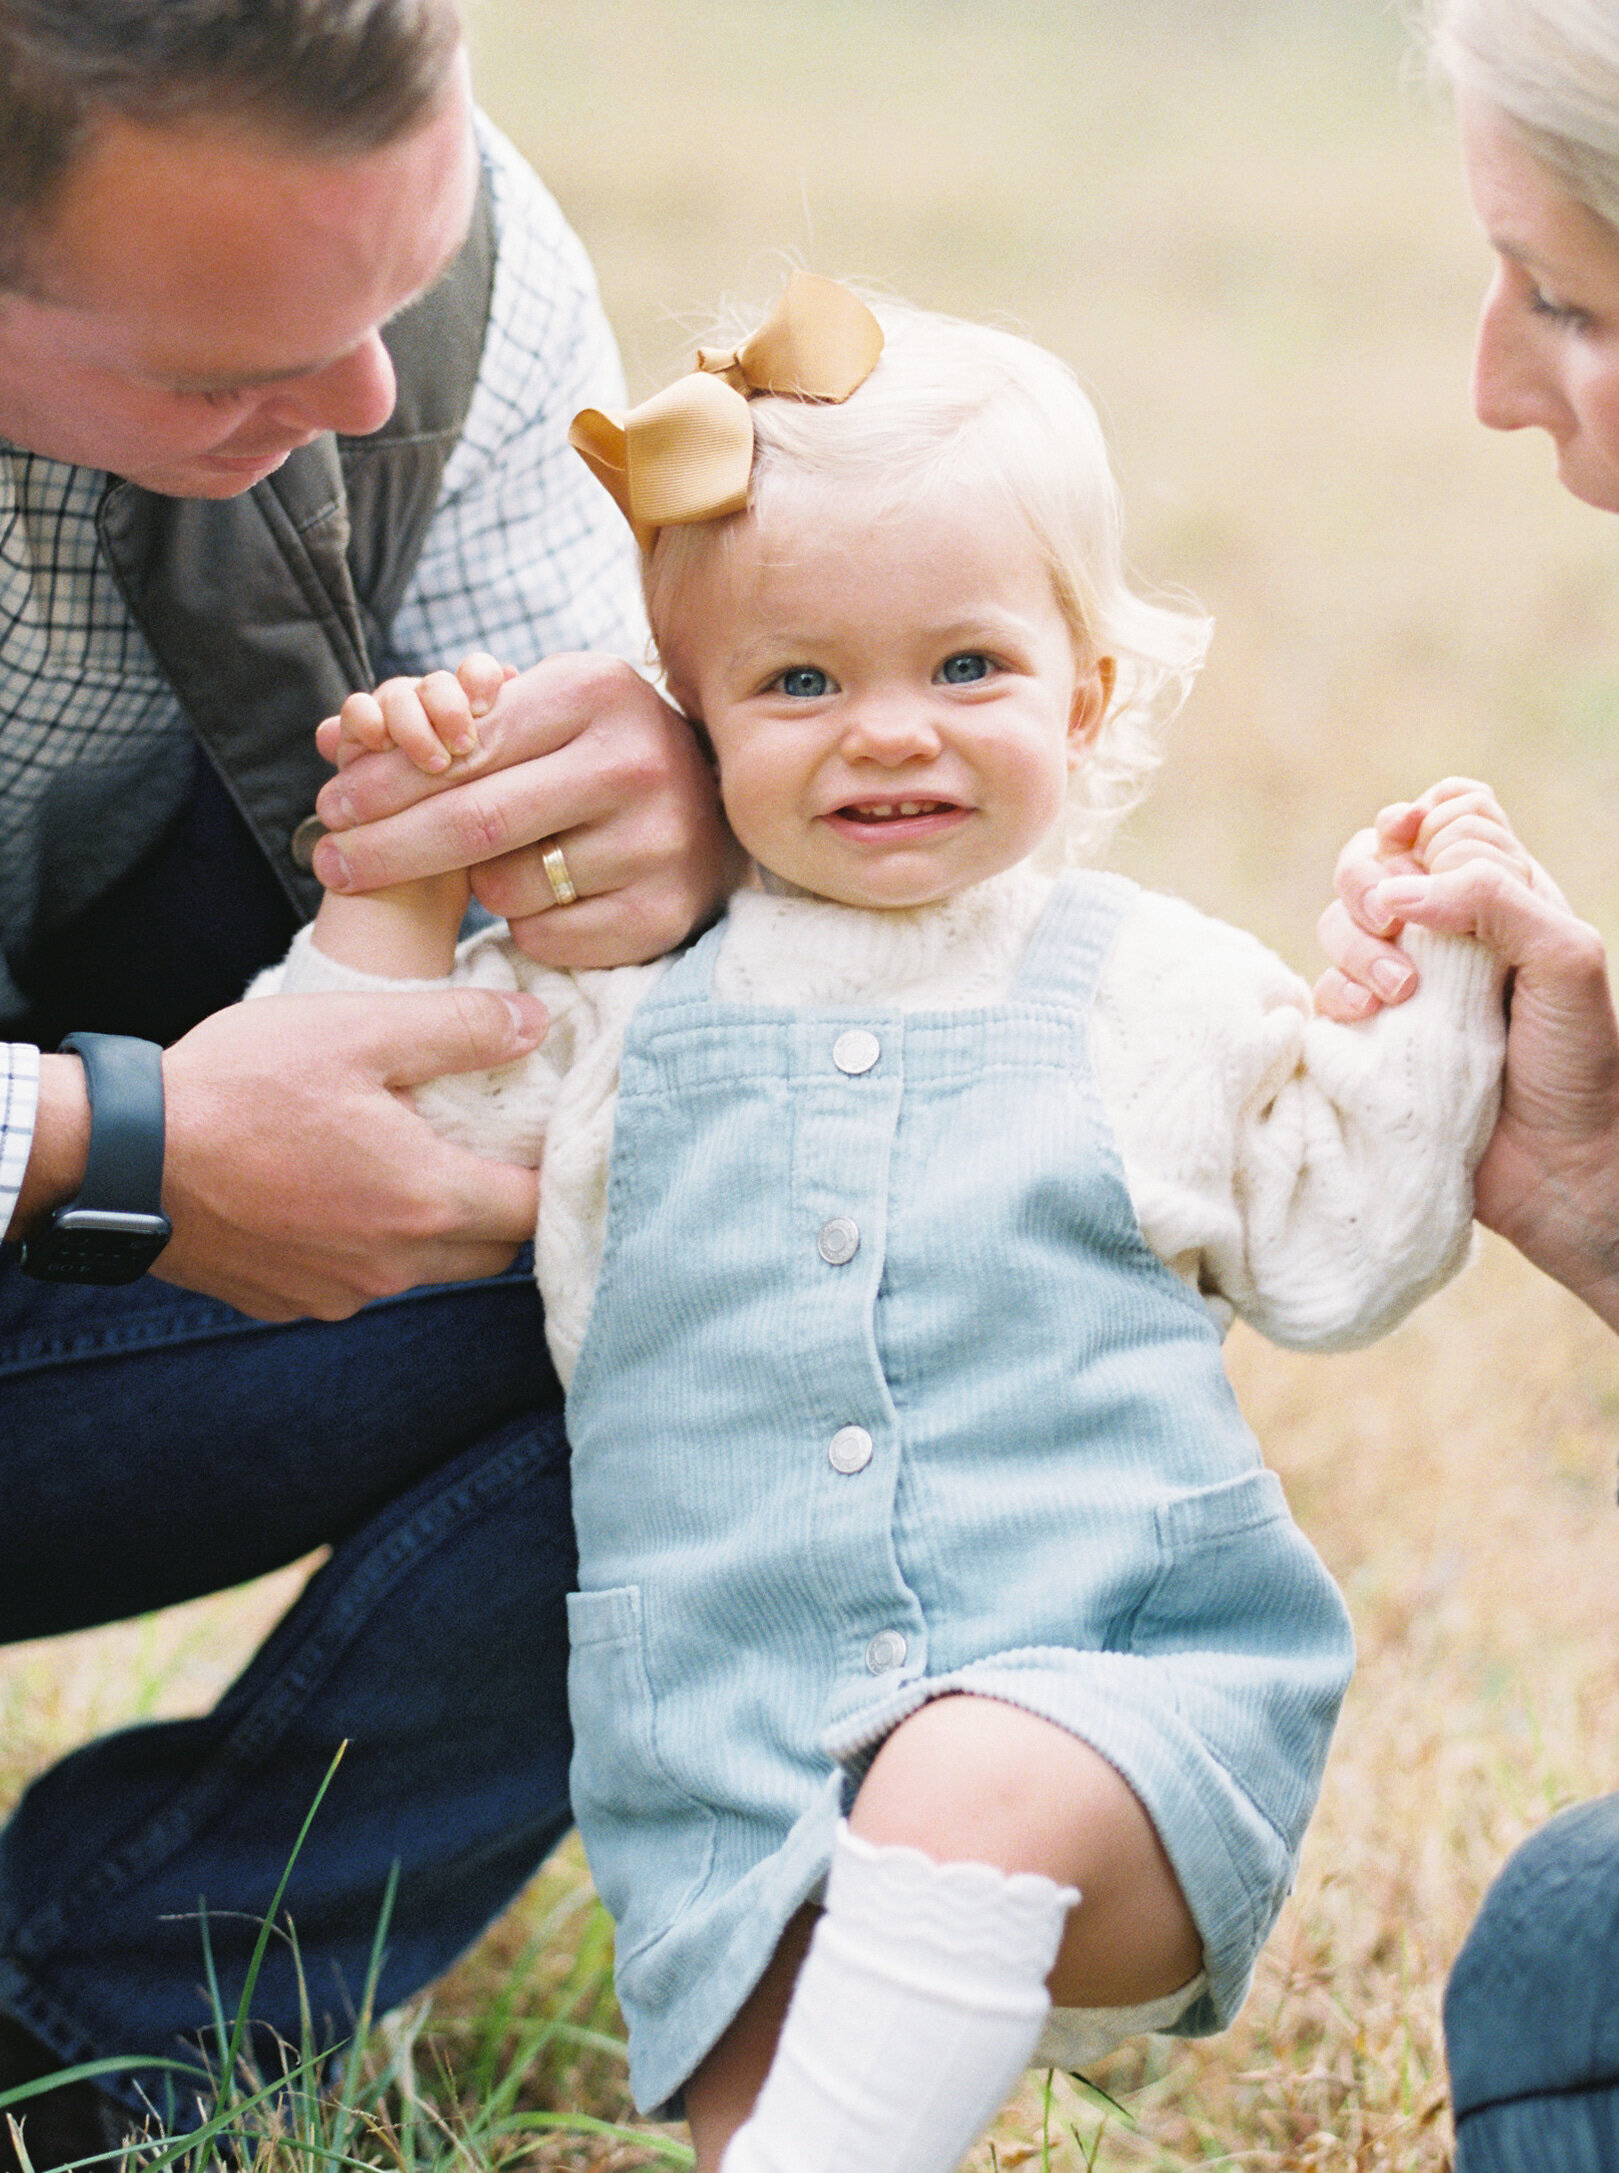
203, 298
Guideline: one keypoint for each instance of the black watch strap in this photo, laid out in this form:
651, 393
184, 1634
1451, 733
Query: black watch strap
114, 1227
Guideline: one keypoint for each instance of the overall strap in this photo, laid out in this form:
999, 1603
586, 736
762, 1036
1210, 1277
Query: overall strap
262, 609
690, 978
1073, 937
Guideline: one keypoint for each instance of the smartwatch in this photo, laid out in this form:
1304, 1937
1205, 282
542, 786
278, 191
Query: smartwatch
114, 1227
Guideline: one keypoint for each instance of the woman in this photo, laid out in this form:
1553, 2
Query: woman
1532, 2009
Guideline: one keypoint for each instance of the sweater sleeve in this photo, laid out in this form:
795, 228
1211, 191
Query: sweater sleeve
503, 1113
1315, 1178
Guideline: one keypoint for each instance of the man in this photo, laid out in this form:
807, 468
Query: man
287, 352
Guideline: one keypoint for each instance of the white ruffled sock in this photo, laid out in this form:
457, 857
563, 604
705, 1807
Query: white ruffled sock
919, 2003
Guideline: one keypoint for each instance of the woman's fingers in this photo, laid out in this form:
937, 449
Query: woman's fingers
1367, 971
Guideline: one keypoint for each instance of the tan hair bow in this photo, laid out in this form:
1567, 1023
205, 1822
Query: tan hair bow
686, 454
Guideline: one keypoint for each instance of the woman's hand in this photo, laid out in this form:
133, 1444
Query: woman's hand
1549, 1180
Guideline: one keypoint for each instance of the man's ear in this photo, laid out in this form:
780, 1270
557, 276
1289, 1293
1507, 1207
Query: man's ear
1093, 694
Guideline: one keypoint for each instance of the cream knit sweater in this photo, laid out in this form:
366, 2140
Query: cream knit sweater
1314, 1178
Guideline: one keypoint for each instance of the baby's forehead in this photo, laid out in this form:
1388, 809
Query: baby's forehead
829, 582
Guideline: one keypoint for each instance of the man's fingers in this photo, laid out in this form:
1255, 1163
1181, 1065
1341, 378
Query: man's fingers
408, 1038
616, 929
490, 812
500, 1201
306, 1289
517, 886
542, 711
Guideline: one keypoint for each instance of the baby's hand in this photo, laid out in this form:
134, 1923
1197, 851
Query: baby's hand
1455, 822
1449, 861
432, 720
1455, 864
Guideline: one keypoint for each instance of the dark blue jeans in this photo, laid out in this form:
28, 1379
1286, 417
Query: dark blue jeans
1532, 2008
155, 1445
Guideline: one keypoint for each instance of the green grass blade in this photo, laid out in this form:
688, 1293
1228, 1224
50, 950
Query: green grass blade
244, 2005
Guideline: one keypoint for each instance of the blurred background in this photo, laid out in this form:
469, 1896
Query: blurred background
1242, 221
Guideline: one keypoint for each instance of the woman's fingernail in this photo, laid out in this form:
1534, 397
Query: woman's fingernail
336, 809
1396, 896
1390, 980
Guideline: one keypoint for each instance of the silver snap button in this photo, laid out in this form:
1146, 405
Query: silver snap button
885, 1653
856, 1051
839, 1240
849, 1449
301, 845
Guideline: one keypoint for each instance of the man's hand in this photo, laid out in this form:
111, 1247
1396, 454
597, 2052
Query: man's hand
581, 752
298, 1178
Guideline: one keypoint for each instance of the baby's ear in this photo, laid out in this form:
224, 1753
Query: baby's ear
1093, 693
685, 700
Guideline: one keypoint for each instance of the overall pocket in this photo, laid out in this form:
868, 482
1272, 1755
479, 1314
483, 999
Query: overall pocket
650, 1843
1255, 1637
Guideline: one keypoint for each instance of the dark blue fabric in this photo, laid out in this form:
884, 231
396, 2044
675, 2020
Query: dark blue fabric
1573, 2132
154, 1445
179, 937
1532, 2008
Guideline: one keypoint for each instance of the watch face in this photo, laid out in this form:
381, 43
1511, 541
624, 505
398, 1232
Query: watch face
96, 1245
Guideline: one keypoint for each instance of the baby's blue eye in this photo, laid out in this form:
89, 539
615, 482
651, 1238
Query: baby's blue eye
961, 671
804, 683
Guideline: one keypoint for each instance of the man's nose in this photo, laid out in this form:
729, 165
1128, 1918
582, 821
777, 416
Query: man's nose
353, 395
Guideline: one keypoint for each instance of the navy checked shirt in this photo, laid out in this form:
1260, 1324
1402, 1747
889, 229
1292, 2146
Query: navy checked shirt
525, 556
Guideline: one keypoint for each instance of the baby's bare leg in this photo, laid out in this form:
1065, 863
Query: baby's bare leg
970, 1782
720, 2095
975, 1781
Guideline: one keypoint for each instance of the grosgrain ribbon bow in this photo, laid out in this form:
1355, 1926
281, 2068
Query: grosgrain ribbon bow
686, 454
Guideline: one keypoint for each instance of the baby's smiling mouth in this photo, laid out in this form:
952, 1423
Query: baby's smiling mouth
895, 810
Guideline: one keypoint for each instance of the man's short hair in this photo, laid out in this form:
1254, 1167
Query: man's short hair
330, 75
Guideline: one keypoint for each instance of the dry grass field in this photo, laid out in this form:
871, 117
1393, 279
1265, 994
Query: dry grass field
1241, 220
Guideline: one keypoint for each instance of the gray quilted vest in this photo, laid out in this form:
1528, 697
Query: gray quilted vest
264, 609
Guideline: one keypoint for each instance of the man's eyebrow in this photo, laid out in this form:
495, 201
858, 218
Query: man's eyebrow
249, 380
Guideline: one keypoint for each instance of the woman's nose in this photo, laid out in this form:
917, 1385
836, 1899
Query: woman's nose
1513, 386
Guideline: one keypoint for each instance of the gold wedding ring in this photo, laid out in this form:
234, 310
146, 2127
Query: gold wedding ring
556, 874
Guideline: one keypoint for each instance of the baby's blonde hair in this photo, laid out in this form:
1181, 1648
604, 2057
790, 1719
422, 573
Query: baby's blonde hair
957, 408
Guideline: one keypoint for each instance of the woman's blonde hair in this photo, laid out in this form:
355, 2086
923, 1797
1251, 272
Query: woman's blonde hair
1552, 66
978, 415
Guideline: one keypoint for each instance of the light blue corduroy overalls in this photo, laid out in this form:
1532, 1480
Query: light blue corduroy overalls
884, 1396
